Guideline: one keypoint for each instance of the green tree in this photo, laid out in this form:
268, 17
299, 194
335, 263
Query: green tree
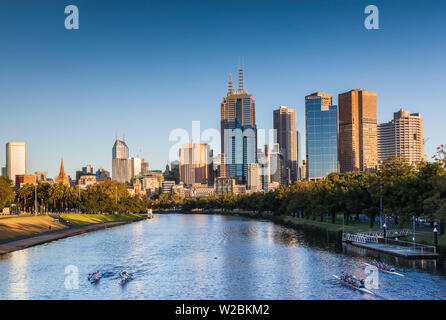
6, 192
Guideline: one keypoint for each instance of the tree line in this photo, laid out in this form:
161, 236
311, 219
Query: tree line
102, 197
403, 190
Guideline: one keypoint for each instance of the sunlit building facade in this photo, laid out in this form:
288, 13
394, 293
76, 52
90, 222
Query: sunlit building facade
121, 168
195, 164
358, 144
321, 121
284, 120
238, 131
15, 159
402, 137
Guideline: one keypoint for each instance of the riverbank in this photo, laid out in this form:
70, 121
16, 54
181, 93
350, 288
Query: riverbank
294, 222
22, 232
23, 226
318, 226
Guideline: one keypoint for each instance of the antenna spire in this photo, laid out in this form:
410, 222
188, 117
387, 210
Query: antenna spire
230, 85
240, 76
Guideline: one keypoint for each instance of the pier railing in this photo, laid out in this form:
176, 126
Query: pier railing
422, 248
395, 233
358, 237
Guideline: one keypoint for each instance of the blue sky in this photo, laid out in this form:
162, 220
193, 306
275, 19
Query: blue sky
144, 68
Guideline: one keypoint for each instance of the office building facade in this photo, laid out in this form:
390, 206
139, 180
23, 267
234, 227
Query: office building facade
284, 120
358, 144
16, 161
121, 170
402, 137
195, 164
321, 122
254, 177
238, 131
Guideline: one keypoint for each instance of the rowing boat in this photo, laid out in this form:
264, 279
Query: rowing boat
386, 271
126, 279
352, 286
95, 277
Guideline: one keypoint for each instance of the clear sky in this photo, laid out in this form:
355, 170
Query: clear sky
144, 68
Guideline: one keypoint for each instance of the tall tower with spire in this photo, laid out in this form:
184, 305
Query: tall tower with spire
62, 177
238, 131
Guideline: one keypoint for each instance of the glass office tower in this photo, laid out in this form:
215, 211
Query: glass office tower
321, 118
238, 131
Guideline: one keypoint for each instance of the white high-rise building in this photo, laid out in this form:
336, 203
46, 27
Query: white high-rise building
402, 137
15, 159
135, 166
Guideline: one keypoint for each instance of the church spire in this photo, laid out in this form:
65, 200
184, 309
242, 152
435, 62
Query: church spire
62, 177
62, 169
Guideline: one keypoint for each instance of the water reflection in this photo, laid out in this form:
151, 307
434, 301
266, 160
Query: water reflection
18, 275
209, 257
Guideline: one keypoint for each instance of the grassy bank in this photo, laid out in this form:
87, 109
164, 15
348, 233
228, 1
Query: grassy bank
328, 226
18, 226
28, 225
84, 219
428, 239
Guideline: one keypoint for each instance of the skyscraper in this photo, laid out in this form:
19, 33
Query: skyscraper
285, 124
135, 165
272, 165
15, 159
120, 162
321, 123
195, 163
299, 156
254, 178
358, 145
402, 137
238, 131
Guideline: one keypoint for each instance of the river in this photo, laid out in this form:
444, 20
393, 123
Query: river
175, 256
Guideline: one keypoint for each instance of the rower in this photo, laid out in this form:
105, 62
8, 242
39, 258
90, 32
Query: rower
361, 283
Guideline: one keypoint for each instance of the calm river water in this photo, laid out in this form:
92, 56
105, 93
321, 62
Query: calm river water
178, 256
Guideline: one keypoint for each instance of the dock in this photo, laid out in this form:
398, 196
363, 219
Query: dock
391, 246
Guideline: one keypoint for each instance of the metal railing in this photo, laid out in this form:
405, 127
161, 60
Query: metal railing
361, 238
389, 233
422, 248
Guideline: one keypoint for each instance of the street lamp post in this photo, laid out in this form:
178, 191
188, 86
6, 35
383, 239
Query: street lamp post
381, 207
435, 237
413, 232
116, 198
436, 240
384, 231
35, 199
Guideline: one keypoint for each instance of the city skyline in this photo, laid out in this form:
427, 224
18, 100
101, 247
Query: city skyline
70, 99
